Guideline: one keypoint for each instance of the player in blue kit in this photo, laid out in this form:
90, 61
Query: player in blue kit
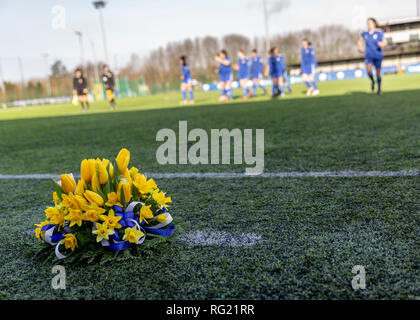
257, 70
374, 42
243, 67
276, 68
225, 75
308, 66
186, 81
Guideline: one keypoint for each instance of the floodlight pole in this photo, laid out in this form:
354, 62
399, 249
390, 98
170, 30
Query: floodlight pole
95, 63
267, 33
100, 5
82, 52
22, 78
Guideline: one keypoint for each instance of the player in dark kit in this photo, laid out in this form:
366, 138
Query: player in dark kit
80, 89
108, 80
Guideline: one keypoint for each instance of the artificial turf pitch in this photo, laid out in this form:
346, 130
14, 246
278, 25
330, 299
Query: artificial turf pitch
313, 230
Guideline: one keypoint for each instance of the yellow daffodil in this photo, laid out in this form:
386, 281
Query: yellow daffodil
57, 218
143, 185
70, 241
56, 199
102, 232
127, 191
112, 200
50, 211
103, 174
160, 198
38, 232
93, 197
145, 213
123, 159
75, 217
73, 202
111, 221
133, 172
79, 202
162, 218
67, 201
80, 187
132, 235
67, 183
92, 212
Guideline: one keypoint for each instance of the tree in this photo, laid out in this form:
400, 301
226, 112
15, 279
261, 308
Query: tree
58, 68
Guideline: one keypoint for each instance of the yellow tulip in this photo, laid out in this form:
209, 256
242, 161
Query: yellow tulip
80, 188
123, 160
126, 175
93, 197
95, 182
127, 191
86, 171
105, 163
67, 183
103, 174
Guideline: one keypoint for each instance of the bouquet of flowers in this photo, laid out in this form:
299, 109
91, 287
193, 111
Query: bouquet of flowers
110, 206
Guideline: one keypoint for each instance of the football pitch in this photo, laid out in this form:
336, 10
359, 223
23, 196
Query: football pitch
235, 237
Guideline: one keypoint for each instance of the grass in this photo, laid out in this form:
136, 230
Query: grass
314, 230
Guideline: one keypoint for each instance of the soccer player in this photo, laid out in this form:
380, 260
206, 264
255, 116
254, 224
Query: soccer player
186, 81
257, 72
108, 80
243, 72
80, 89
286, 80
374, 42
308, 65
275, 68
225, 75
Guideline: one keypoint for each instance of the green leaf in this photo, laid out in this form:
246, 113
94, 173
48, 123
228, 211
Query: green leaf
58, 189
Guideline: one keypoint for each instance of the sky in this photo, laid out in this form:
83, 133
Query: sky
31, 29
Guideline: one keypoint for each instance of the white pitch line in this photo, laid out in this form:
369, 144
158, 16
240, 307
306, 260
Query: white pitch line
220, 239
221, 175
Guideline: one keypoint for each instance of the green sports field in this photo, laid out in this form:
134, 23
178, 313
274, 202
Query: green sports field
311, 231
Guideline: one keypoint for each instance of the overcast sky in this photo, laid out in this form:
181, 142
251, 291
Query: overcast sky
30, 29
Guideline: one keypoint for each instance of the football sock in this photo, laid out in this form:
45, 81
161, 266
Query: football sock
282, 88
254, 89
372, 80
314, 85
262, 87
308, 84
379, 83
184, 95
191, 95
